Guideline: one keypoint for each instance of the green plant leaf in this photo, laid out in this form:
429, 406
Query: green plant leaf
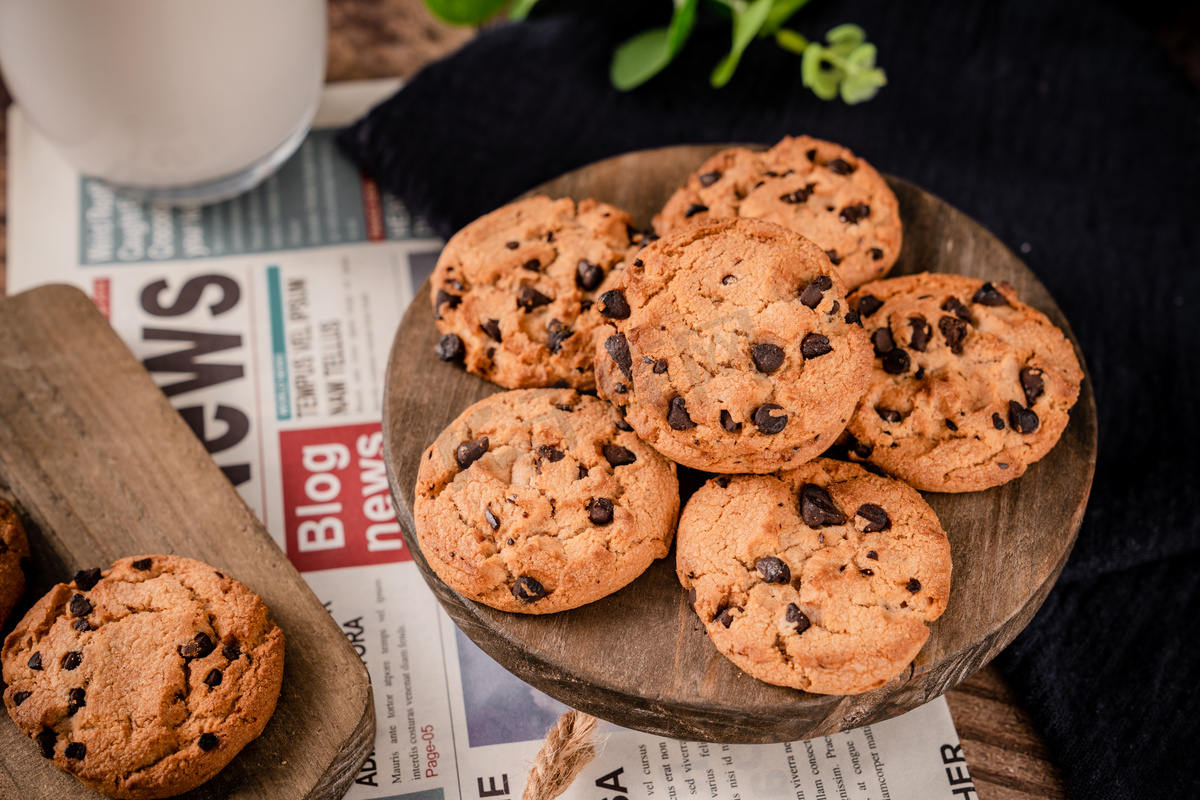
747, 22
464, 12
641, 58
861, 58
845, 38
791, 41
781, 12
862, 86
521, 9
821, 79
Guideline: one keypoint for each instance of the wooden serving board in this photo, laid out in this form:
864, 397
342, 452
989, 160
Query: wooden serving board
640, 657
100, 466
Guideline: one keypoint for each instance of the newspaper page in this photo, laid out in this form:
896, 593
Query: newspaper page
267, 321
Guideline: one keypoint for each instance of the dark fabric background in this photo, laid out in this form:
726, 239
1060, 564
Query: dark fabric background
1058, 124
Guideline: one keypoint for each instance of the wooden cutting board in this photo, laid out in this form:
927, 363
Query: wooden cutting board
101, 466
640, 657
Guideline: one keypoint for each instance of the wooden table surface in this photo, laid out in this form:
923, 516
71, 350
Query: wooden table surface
379, 38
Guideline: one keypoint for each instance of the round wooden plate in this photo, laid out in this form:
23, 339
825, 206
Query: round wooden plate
640, 657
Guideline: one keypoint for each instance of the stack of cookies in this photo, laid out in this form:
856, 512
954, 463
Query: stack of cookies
752, 337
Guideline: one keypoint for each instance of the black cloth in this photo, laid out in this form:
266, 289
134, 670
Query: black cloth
1061, 126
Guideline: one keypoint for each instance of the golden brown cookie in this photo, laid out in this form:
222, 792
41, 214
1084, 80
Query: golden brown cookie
821, 578
733, 349
542, 500
14, 559
146, 680
513, 292
970, 386
816, 188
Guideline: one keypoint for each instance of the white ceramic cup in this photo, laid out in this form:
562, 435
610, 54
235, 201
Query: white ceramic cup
181, 101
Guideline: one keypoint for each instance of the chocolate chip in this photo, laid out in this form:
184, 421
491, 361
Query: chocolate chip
76, 699
812, 154
989, 295
956, 307
1032, 383
795, 615
871, 554
883, 341
839, 167
449, 348
1022, 419
207, 741
528, 590
868, 573
950, 424
492, 520
798, 196
876, 253
79, 606
896, 362
997, 422
708, 178
613, 304
618, 348
817, 507
46, 741
637, 262
583, 472
859, 449
920, 373
725, 615
773, 570
445, 298
914, 585
512, 245
920, 333
852, 214
812, 294
556, 333
852, 318
723, 481
727, 422
600, 510
766, 422
955, 331
868, 304
35, 661
617, 456
660, 367
588, 276
728, 279
887, 414
21, 697
691, 595
552, 454
213, 679
530, 298
232, 651
75, 751
492, 328
877, 519
72, 660
815, 345
694, 209
622, 425
677, 415
767, 357
834, 258
86, 579
468, 453
81, 625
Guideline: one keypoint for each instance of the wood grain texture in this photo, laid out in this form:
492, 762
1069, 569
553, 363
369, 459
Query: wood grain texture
640, 657
100, 467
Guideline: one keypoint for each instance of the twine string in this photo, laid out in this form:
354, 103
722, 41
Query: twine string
567, 749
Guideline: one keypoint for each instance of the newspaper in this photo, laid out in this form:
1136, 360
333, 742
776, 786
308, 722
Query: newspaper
267, 320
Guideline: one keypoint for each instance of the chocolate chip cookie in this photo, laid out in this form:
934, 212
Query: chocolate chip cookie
144, 681
514, 292
820, 578
541, 500
970, 386
14, 559
732, 347
816, 188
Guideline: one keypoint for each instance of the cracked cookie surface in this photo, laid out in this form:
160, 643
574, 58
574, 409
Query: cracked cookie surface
733, 348
14, 560
513, 292
969, 387
542, 500
146, 680
816, 188
821, 578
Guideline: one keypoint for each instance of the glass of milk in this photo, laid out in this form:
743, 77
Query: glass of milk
182, 101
